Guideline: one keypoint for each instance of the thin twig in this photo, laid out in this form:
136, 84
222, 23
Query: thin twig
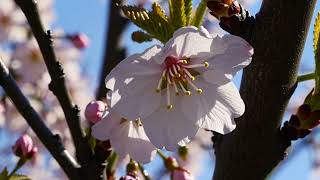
52, 142
57, 85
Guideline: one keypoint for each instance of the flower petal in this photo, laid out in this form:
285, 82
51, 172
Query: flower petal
132, 67
140, 102
131, 139
166, 128
224, 66
216, 108
102, 129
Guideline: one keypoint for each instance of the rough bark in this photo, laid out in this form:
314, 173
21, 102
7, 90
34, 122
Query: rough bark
278, 37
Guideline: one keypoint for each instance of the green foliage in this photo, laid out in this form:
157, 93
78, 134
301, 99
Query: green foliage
4, 175
151, 22
140, 37
200, 12
158, 25
188, 10
178, 18
316, 48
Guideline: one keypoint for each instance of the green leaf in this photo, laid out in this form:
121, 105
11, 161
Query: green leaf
316, 49
19, 177
158, 11
4, 174
200, 12
178, 17
140, 37
151, 22
188, 10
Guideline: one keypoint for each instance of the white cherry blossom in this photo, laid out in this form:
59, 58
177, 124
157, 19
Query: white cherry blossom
126, 137
183, 86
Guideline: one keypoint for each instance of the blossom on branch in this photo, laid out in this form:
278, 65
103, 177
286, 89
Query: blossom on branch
181, 87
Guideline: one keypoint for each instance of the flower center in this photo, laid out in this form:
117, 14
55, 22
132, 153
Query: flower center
179, 74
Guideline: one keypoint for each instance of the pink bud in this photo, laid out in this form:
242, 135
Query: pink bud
181, 174
171, 163
24, 147
95, 111
129, 177
79, 40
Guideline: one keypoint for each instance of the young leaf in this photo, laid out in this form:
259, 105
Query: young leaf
316, 49
188, 10
198, 16
19, 177
148, 21
140, 37
158, 10
4, 174
178, 17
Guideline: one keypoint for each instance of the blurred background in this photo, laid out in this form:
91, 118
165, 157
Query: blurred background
83, 68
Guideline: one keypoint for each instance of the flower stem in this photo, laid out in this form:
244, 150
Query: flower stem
19, 164
306, 77
161, 154
144, 172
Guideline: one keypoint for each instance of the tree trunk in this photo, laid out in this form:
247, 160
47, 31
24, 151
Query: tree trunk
255, 147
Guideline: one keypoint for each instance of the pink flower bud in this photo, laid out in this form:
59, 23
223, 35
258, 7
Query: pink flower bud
24, 147
223, 8
129, 177
181, 174
79, 40
171, 163
95, 111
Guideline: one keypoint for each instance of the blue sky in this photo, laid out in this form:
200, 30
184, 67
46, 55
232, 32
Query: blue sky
90, 17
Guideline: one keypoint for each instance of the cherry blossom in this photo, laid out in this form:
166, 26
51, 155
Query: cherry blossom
181, 87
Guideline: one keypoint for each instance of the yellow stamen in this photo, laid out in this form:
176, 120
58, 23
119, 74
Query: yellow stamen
170, 107
200, 91
188, 93
206, 64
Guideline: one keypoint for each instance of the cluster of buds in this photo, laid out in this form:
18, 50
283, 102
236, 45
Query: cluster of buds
95, 111
24, 148
306, 118
223, 8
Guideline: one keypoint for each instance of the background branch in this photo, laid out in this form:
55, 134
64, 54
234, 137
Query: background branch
51, 142
278, 37
57, 85
114, 53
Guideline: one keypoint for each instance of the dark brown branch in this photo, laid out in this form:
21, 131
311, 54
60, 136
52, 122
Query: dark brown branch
57, 85
113, 52
278, 37
51, 142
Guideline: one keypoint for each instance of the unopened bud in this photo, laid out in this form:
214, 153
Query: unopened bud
23, 147
79, 40
181, 174
140, 37
223, 8
171, 163
95, 111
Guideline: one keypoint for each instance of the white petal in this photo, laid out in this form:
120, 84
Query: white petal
229, 96
132, 67
236, 56
166, 128
216, 108
131, 139
103, 128
140, 102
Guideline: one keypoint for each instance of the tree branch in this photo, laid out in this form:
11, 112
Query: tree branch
57, 85
51, 142
114, 53
278, 37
